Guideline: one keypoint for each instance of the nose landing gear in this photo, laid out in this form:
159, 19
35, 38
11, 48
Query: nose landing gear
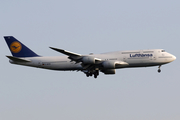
159, 69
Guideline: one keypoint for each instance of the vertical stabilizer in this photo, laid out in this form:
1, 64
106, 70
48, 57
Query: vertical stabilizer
18, 49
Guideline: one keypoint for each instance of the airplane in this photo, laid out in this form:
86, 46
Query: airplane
91, 64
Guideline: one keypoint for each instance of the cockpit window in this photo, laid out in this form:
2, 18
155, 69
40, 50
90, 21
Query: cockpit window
163, 51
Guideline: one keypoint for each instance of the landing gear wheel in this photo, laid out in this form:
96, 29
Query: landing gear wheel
87, 75
97, 72
159, 70
94, 73
90, 74
95, 76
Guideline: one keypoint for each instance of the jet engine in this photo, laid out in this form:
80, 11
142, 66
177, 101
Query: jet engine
108, 64
109, 71
88, 60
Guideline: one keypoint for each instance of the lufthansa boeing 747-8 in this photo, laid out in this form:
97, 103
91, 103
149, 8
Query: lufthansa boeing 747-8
90, 64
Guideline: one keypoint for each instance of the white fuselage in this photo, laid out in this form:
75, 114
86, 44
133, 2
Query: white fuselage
134, 58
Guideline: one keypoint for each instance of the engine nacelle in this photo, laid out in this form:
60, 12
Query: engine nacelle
88, 60
108, 64
109, 71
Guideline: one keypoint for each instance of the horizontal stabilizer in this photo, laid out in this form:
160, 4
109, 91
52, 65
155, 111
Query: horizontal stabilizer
17, 59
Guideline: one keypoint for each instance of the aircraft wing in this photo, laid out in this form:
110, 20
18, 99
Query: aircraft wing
68, 53
78, 57
73, 56
121, 63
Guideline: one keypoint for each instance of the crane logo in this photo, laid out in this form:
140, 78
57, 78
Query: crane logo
15, 47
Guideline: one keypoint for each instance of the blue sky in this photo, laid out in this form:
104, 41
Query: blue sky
90, 27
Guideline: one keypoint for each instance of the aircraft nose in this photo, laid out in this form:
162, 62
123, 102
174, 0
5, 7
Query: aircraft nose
174, 57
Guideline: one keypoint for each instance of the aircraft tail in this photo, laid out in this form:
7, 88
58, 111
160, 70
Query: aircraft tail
18, 49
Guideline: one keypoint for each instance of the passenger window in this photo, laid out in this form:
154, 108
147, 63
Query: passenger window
163, 51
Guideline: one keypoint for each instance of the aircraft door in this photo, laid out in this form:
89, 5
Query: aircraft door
39, 63
142, 59
154, 56
124, 58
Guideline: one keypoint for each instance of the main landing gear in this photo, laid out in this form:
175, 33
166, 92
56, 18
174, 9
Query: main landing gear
159, 69
91, 73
